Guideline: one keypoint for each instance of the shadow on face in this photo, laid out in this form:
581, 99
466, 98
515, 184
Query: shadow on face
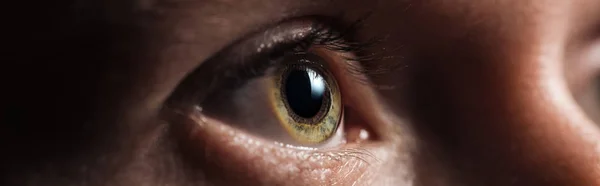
431, 93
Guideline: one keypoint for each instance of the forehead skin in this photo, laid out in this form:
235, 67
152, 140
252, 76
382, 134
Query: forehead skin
488, 104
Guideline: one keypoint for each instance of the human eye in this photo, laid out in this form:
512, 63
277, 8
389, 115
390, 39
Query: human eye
290, 103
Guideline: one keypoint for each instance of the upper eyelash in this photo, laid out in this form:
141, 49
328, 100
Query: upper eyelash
324, 33
243, 59
341, 40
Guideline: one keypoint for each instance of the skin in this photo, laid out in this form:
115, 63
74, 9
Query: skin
489, 93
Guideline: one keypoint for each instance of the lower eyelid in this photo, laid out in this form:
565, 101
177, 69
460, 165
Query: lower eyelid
236, 151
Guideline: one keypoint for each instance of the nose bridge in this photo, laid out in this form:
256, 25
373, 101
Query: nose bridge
509, 110
519, 112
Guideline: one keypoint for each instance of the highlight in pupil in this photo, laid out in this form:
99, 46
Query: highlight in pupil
305, 90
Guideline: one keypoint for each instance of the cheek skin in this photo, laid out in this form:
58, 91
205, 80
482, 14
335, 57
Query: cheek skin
498, 106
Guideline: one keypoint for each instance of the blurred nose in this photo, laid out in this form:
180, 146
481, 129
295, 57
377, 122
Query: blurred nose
504, 112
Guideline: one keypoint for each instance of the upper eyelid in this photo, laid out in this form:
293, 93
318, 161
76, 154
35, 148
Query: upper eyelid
263, 42
259, 46
300, 34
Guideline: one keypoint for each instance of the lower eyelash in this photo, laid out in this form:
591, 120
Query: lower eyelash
334, 160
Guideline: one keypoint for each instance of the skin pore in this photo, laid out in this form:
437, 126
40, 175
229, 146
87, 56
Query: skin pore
472, 93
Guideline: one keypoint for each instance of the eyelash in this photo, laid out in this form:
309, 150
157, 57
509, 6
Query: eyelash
342, 41
334, 40
326, 34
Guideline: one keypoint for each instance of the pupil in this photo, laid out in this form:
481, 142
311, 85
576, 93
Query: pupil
305, 90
